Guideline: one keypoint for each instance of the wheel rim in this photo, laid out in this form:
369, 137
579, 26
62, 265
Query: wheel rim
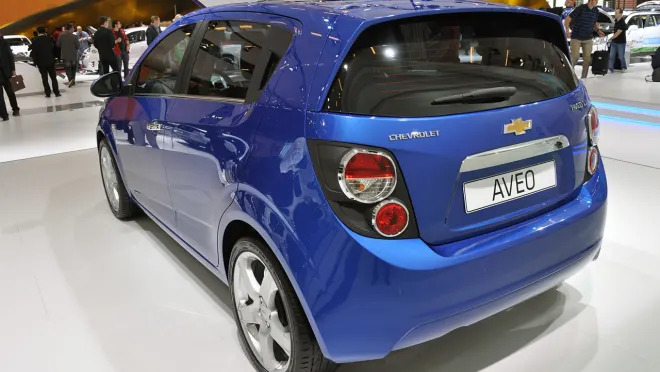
109, 178
261, 312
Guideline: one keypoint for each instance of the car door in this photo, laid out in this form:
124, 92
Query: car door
635, 33
144, 135
212, 127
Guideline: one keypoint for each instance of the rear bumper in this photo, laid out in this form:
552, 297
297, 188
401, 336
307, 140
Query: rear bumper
379, 295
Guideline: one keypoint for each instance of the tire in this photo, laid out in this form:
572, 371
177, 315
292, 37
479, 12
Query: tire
305, 354
120, 203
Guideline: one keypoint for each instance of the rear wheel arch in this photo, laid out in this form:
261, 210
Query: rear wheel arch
234, 231
241, 227
239, 224
100, 136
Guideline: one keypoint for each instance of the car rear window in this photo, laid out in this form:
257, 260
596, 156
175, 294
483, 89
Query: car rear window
399, 68
17, 42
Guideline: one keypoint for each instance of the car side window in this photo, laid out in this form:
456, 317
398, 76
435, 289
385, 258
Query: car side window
159, 71
135, 37
634, 21
650, 21
231, 54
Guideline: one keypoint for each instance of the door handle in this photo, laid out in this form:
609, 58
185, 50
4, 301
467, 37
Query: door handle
154, 126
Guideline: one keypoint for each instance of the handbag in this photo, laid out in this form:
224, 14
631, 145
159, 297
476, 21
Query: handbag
17, 82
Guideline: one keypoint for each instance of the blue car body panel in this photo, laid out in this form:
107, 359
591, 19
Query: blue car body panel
216, 162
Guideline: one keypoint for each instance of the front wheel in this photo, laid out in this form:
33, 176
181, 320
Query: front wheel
271, 323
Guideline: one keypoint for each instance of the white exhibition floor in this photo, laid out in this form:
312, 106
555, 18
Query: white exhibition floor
82, 291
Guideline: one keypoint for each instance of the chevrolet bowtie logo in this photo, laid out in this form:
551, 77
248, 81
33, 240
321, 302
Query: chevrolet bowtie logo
518, 126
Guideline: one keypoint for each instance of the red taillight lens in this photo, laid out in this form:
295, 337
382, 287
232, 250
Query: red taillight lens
592, 160
390, 218
367, 177
593, 126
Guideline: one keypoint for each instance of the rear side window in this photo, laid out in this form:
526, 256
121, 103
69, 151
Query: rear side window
426, 66
235, 57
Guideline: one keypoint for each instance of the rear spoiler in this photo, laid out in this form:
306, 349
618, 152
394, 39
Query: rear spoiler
212, 3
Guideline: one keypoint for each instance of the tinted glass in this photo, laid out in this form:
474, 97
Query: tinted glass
136, 36
400, 68
15, 42
603, 18
159, 70
650, 21
233, 54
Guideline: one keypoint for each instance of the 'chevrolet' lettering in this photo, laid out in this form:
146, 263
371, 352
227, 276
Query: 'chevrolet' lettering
414, 135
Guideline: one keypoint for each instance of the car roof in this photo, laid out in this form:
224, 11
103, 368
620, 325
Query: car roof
363, 9
15, 37
133, 29
647, 12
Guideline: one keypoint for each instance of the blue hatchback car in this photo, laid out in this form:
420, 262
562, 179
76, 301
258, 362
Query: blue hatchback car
366, 175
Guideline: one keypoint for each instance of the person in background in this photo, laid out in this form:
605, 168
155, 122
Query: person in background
34, 36
44, 57
56, 36
569, 5
69, 45
618, 46
580, 25
177, 17
104, 41
7, 70
122, 46
154, 29
84, 39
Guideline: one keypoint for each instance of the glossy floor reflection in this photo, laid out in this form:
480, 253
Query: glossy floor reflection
81, 291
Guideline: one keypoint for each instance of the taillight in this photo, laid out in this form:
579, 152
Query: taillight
593, 126
367, 176
592, 160
365, 188
390, 218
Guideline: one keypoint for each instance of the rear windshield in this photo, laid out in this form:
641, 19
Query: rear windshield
423, 66
17, 42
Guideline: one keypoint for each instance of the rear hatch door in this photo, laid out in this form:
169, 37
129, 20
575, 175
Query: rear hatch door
481, 110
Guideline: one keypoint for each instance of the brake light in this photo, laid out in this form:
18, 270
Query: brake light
390, 218
592, 160
367, 176
593, 126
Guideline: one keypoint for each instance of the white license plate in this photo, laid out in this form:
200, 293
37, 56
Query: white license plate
505, 187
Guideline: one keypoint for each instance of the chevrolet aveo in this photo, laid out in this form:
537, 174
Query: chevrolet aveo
365, 176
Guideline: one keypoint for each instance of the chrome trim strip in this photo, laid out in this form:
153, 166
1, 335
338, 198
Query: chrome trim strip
509, 154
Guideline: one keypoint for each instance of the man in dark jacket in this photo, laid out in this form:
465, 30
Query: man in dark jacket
153, 30
7, 70
44, 57
104, 41
69, 45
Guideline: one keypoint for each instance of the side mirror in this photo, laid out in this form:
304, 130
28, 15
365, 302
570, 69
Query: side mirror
107, 85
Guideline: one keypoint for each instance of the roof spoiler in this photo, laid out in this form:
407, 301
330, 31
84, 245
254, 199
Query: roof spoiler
212, 3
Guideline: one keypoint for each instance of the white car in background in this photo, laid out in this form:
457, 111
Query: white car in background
643, 33
137, 37
648, 6
19, 44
